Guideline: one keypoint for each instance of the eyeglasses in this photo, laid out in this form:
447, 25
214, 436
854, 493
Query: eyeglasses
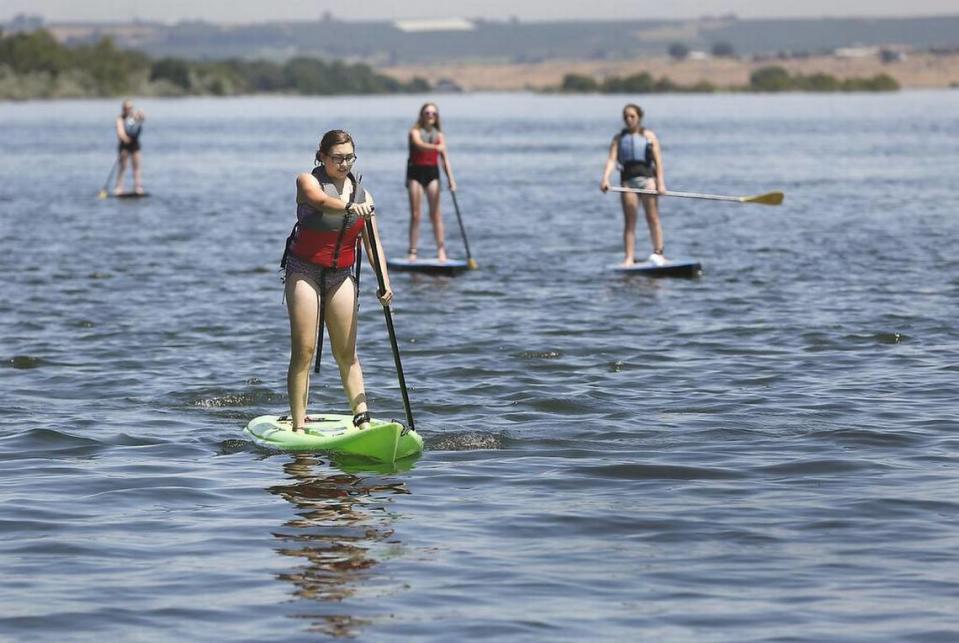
340, 159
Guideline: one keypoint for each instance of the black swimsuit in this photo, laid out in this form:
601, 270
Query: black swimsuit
422, 174
131, 147
422, 166
132, 128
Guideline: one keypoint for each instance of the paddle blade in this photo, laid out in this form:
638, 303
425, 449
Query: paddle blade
770, 198
472, 265
102, 194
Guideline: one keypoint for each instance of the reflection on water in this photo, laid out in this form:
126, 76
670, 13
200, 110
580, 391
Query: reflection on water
340, 517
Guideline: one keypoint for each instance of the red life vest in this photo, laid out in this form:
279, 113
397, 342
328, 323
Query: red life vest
328, 238
419, 156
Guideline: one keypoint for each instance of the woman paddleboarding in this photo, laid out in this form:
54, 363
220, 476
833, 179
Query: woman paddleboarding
427, 146
322, 264
128, 126
635, 150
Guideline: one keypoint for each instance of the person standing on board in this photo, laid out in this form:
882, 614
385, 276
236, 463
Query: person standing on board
321, 256
129, 125
427, 145
636, 151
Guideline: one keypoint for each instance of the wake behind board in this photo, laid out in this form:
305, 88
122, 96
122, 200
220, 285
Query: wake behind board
686, 268
383, 441
429, 266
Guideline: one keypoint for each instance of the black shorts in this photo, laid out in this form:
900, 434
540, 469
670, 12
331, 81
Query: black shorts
636, 169
422, 174
131, 147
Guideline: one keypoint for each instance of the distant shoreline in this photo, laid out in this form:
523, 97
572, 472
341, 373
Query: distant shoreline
35, 66
917, 71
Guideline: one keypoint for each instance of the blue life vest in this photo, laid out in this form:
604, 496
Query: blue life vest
635, 155
132, 127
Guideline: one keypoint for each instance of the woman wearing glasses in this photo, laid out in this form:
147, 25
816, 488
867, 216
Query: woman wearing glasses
321, 255
427, 145
636, 150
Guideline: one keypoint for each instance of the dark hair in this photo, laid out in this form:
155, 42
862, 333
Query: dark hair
639, 110
419, 121
332, 138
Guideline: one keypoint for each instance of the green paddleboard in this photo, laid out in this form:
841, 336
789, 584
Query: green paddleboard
383, 441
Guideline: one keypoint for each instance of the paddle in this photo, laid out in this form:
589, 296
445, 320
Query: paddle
375, 254
103, 193
470, 262
769, 198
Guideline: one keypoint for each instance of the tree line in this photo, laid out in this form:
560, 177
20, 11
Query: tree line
765, 79
36, 65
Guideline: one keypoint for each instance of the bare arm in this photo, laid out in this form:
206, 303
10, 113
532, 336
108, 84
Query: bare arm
446, 164
611, 162
658, 159
121, 131
308, 191
418, 141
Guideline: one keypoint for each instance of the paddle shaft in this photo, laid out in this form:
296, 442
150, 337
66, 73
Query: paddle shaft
375, 254
459, 220
113, 169
708, 197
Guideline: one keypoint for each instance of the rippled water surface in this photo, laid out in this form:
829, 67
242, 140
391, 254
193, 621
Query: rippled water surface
767, 453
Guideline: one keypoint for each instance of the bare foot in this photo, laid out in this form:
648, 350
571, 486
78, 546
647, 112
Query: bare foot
441, 253
139, 189
627, 262
302, 429
411, 256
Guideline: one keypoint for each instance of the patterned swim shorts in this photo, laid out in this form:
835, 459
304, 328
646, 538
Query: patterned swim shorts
331, 278
640, 183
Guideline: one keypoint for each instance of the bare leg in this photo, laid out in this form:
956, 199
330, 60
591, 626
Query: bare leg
303, 307
137, 176
630, 212
121, 170
415, 191
651, 206
341, 321
436, 217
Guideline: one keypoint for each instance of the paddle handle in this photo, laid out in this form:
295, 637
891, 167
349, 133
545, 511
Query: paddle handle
388, 314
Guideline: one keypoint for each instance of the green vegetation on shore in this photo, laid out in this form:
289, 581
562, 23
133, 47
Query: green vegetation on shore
35, 65
777, 79
765, 79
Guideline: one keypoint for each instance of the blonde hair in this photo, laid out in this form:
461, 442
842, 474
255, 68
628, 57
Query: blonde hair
419, 121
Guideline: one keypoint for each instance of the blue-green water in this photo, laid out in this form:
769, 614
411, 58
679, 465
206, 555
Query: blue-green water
768, 453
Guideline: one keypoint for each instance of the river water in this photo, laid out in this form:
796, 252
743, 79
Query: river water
766, 453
